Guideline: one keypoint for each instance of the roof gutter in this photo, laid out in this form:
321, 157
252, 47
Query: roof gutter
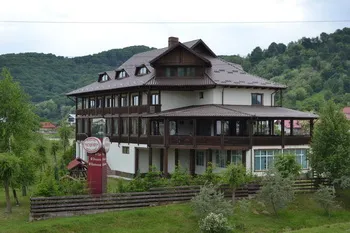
222, 95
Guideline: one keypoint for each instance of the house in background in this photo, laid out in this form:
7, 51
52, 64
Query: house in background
346, 111
47, 127
71, 119
183, 105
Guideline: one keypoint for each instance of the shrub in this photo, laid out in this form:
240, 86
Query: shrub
287, 165
324, 196
72, 187
343, 182
136, 185
153, 178
180, 177
48, 187
209, 176
214, 223
277, 191
210, 200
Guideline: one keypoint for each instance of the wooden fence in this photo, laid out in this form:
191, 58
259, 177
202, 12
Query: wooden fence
50, 207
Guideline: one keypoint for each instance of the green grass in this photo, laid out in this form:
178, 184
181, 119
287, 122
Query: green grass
304, 213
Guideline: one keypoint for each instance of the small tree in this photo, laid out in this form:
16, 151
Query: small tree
214, 223
210, 200
64, 131
330, 145
54, 149
277, 191
325, 196
8, 169
235, 176
287, 165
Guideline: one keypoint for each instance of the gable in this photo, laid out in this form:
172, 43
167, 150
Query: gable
202, 48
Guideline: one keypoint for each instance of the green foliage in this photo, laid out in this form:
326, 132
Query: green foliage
46, 77
210, 200
287, 165
276, 191
8, 166
64, 131
209, 176
72, 187
180, 177
325, 197
330, 143
214, 223
48, 185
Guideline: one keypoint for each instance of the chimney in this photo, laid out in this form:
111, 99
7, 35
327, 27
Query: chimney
172, 41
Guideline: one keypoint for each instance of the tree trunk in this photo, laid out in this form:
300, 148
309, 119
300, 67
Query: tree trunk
24, 190
15, 196
7, 194
233, 196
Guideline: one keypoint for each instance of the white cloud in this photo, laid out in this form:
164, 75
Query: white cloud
82, 39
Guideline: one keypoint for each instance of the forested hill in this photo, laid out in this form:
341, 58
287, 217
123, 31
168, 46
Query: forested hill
46, 77
314, 69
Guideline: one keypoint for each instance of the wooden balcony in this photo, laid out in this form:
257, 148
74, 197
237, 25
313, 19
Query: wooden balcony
267, 140
181, 140
236, 140
119, 110
297, 140
208, 140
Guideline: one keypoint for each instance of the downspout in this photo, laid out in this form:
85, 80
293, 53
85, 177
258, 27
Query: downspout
222, 95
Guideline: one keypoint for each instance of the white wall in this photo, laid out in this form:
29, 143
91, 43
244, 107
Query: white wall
80, 151
156, 158
122, 162
235, 96
143, 160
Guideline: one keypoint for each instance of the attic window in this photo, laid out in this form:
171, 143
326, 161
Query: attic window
141, 70
104, 78
122, 74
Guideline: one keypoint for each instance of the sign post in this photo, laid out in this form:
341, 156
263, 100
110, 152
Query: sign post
97, 168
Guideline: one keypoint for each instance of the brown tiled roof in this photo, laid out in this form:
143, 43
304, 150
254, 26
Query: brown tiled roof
214, 110
220, 73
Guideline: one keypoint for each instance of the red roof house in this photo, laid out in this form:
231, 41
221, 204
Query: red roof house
47, 127
346, 111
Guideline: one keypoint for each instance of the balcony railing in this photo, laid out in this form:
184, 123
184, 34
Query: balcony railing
120, 110
181, 140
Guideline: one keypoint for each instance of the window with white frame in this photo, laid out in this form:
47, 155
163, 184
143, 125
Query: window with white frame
264, 159
142, 71
125, 150
236, 157
220, 158
104, 78
124, 101
122, 74
200, 158
155, 99
108, 128
300, 156
108, 101
135, 100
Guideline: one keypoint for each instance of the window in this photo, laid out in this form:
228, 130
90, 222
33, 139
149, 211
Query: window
125, 150
135, 100
201, 95
125, 126
218, 128
261, 128
99, 102
122, 74
157, 127
92, 102
143, 126
257, 99
236, 157
80, 125
98, 127
108, 102
200, 158
123, 101
264, 159
141, 70
220, 158
116, 126
180, 71
115, 101
155, 99
172, 128
86, 103
104, 78
108, 126
300, 156
134, 126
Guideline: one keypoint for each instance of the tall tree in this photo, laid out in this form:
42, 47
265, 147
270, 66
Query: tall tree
54, 149
331, 143
8, 169
64, 132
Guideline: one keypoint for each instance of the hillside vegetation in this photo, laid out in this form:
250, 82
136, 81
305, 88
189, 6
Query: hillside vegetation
314, 69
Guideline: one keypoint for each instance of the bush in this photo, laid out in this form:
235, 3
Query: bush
209, 176
72, 187
48, 187
214, 223
180, 177
287, 165
277, 191
210, 200
325, 196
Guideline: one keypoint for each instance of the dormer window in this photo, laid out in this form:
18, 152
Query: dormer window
121, 74
104, 78
142, 70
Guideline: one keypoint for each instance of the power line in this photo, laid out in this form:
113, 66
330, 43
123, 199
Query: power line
172, 22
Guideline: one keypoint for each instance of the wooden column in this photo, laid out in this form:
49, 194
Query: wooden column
161, 163
150, 159
176, 157
244, 158
166, 132
282, 132
165, 162
194, 132
192, 162
311, 127
209, 157
228, 157
250, 133
291, 127
222, 134
136, 160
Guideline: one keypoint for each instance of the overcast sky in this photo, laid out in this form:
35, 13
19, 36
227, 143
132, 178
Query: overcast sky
83, 39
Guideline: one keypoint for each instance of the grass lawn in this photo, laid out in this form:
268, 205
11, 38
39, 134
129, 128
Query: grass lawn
304, 213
